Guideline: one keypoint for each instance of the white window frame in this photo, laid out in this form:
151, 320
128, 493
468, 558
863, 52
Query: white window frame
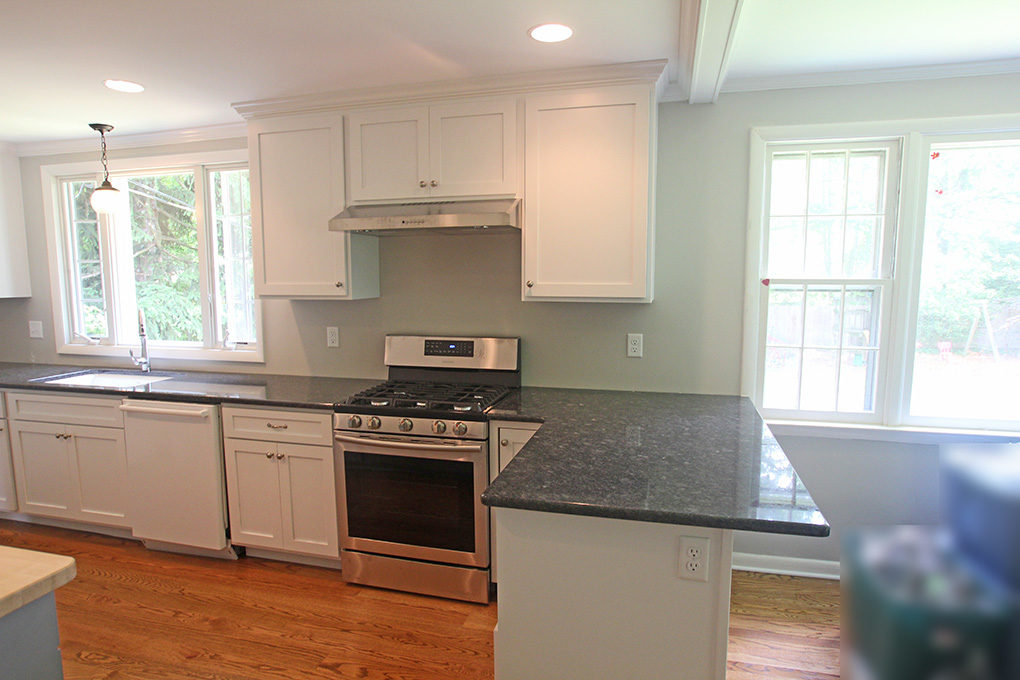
892, 401
61, 279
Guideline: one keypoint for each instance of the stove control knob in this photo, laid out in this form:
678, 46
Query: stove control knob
374, 423
353, 421
460, 429
439, 427
405, 425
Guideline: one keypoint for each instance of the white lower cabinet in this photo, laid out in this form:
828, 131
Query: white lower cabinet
70, 471
506, 439
8, 499
281, 495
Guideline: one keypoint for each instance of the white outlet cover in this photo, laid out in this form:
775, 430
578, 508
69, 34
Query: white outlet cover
332, 336
35, 329
694, 561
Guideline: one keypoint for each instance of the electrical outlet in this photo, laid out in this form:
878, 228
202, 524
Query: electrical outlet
635, 345
332, 336
35, 329
694, 558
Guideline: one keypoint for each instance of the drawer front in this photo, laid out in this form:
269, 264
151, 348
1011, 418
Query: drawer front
298, 427
47, 407
3, 408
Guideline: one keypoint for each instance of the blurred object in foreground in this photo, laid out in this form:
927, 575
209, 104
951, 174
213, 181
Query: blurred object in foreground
914, 609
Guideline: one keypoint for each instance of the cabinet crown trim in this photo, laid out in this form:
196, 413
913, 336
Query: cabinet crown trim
517, 83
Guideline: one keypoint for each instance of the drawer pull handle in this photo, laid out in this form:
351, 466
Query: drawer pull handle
271, 426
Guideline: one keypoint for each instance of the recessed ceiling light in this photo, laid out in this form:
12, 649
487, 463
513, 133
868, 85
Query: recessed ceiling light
123, 85
550, 33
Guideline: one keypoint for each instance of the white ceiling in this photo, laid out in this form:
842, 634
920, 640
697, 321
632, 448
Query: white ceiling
196, 57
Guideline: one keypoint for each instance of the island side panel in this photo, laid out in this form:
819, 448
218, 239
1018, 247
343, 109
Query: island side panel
585, 597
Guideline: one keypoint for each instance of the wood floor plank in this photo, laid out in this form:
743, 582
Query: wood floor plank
135, 613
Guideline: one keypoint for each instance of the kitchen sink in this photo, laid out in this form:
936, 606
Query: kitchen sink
101, 379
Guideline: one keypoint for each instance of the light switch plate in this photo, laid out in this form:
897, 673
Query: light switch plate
35, 329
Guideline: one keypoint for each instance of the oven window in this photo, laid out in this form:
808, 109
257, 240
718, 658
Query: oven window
414, 501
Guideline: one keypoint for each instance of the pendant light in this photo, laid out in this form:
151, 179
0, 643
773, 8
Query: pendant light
105, 197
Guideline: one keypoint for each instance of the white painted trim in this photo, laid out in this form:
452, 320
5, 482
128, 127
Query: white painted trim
788, 566
867, 76
411, 93
752, 267
690, 11
717, 25
889, 128
201, 134
881, 433
294, 558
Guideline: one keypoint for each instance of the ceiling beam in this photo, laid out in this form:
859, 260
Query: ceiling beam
717, 25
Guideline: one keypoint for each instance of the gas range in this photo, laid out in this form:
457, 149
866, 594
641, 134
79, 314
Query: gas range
439, 387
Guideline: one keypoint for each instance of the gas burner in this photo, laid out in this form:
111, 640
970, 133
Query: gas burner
434, 396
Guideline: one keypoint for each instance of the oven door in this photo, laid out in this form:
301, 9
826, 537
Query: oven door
413, 497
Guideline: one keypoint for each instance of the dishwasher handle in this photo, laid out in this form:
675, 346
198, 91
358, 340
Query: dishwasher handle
160, 411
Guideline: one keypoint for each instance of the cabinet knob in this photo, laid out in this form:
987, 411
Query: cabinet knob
269, 455
530, 284
504, 442
279, 456
434, 183
422, 184
271, 426
339, 284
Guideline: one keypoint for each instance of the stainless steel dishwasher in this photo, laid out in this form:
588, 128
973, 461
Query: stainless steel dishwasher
175, 476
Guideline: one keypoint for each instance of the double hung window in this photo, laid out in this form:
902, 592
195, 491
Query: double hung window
886, 283
177, 249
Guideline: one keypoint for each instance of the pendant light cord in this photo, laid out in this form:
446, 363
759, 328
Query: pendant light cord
106, 171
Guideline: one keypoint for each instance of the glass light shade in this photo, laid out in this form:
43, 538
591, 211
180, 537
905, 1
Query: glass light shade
551, 32
104, 198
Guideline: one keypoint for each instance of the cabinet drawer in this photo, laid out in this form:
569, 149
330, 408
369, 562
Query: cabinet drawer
47, 407
299, 427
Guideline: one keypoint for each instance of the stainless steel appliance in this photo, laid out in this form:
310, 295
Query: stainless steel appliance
412, 462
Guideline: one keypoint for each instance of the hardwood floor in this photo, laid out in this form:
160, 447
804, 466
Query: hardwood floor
135, 613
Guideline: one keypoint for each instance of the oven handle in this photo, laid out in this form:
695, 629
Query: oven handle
445, 448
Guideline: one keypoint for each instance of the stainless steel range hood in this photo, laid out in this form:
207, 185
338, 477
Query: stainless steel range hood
444, 216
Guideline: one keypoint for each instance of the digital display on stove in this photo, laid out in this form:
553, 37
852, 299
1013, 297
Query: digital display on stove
449, 348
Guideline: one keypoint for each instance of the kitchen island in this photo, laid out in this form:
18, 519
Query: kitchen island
29, 639
614, 530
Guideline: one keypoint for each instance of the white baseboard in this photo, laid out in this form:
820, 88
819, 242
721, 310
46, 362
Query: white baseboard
116, 532
307, 560
789, 566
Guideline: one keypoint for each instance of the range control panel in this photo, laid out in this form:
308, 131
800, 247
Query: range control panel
449, 348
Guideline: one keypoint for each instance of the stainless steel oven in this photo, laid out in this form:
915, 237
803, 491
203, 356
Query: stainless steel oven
411, 464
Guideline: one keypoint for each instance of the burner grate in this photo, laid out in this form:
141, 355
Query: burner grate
411, 395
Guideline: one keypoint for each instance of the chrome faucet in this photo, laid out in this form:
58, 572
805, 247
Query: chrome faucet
143, 360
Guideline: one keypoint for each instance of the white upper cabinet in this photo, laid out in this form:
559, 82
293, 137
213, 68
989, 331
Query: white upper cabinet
14, 280
457, 149
297, 185
589, 191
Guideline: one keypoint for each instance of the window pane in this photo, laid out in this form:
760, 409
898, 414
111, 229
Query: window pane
786, 246
967, 357
89, 298
824, 247
857, 381
827, 183
860, 254
165, 247
782, 378
235, 290
864, 183
861, 319
789, 184
818, 381
822, 318
786, 312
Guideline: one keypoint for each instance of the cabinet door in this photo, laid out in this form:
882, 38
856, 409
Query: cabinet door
511, 441
43, 469
588, 163
100, 474
253, 493
389, 154
296, 187
8, 499
473, 148
308, 497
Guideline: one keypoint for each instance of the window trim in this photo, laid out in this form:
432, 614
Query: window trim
56, 243
916, 135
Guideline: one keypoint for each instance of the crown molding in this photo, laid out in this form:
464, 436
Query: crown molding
199, 134
516, 83
866, 76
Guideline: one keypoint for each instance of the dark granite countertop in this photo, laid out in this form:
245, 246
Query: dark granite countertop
673, 458
656, 457
198, 386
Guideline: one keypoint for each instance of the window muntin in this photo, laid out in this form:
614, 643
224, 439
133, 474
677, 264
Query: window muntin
155, 256
825, 277
966, 358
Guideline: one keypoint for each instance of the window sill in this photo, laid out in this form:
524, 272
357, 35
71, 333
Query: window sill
177, 354
906, 435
